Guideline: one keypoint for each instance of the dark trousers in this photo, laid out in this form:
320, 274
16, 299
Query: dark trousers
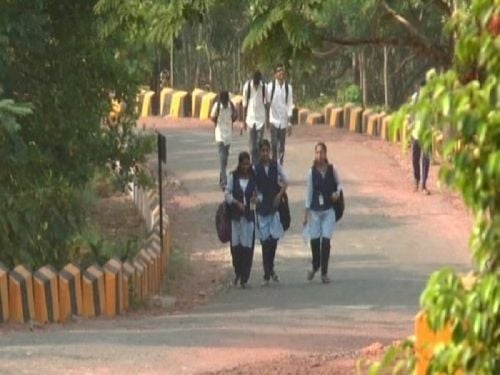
269, 247
278, 139
254, 138
416, 154
320, 248
242, 262
223, 156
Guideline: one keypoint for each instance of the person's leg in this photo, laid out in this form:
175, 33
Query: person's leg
325, 257
223, 156
316, 257
259, 137
425, 170
273, 243
252, 147
416, 152
282, 140
236, 257
265, 259
274, 142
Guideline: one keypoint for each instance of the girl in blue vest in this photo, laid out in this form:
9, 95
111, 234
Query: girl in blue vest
271, 185
323, 188
241, 195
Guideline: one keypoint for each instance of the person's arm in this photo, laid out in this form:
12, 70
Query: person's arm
283, 182
213, 114
228, 194
336, 194
289, 109
309, 195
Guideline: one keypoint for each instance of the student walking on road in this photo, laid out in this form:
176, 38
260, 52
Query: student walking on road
223, 115
323, 189
255, 102
271, 185
241, 195
280, 111
418, 153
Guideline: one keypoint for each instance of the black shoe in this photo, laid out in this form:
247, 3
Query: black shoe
275, 277
236, 279
325, 279
310, 275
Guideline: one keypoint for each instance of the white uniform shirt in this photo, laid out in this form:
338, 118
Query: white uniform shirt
281, 106
224, 126
256, 111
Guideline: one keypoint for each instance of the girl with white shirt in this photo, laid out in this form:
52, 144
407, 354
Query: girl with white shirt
323, 189
241, 195
223, 115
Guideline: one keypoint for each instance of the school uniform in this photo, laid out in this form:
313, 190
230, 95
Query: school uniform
255, 101
223, 135
418, 153
269, 227
242, 224
280, 111
320, 187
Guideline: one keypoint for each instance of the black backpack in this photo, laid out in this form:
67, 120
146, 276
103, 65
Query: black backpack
284, 211
234, 114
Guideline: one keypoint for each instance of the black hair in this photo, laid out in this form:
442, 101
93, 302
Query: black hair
257, 77
224, 98
279, 66
243, 155
323, 146
264, 143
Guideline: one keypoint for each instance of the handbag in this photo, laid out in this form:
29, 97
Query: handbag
284, 211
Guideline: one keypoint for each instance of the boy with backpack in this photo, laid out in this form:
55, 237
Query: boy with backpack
280, 111
223, 115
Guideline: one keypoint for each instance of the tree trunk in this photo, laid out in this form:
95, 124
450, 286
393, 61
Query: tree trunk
172, 63
386, 79
363, 78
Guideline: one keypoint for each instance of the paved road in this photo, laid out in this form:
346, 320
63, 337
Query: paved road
388, 243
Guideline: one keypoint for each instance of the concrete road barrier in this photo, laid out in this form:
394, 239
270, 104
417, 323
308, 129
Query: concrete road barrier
113, 288
180, 106
327, 111
302, 115
355, 119
70, 292
149, 270
21, 302
196, 97
207, 103
336, 118
128, 285
315, 118
93, 291
140, 280
347, 114
165, 100
46, 295
364, 119
4, 293
146, 103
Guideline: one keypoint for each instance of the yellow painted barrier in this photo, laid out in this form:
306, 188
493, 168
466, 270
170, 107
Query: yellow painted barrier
372, 124
128, 284
206, 105
177, 106
196, 96
46, 295
70, 292
21, 303
4, 293
146, 103
165, 100
385, 127
336, 118
327, 111
347, 114
93, 293
303, 113
364, 119
355, 118
315, 118
113, 288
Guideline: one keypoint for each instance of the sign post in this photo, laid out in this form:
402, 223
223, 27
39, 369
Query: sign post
162, 158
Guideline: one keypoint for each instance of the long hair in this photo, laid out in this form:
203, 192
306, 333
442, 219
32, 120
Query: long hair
257, 77
243, 155
224, 98
264, 143
323, 146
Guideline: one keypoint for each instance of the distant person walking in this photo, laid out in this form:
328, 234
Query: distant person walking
271, 185
420, 174
254, 103
241, 195
280, 112
223, 115
323, 189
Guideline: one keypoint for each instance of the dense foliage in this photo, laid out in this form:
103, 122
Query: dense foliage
55, 75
